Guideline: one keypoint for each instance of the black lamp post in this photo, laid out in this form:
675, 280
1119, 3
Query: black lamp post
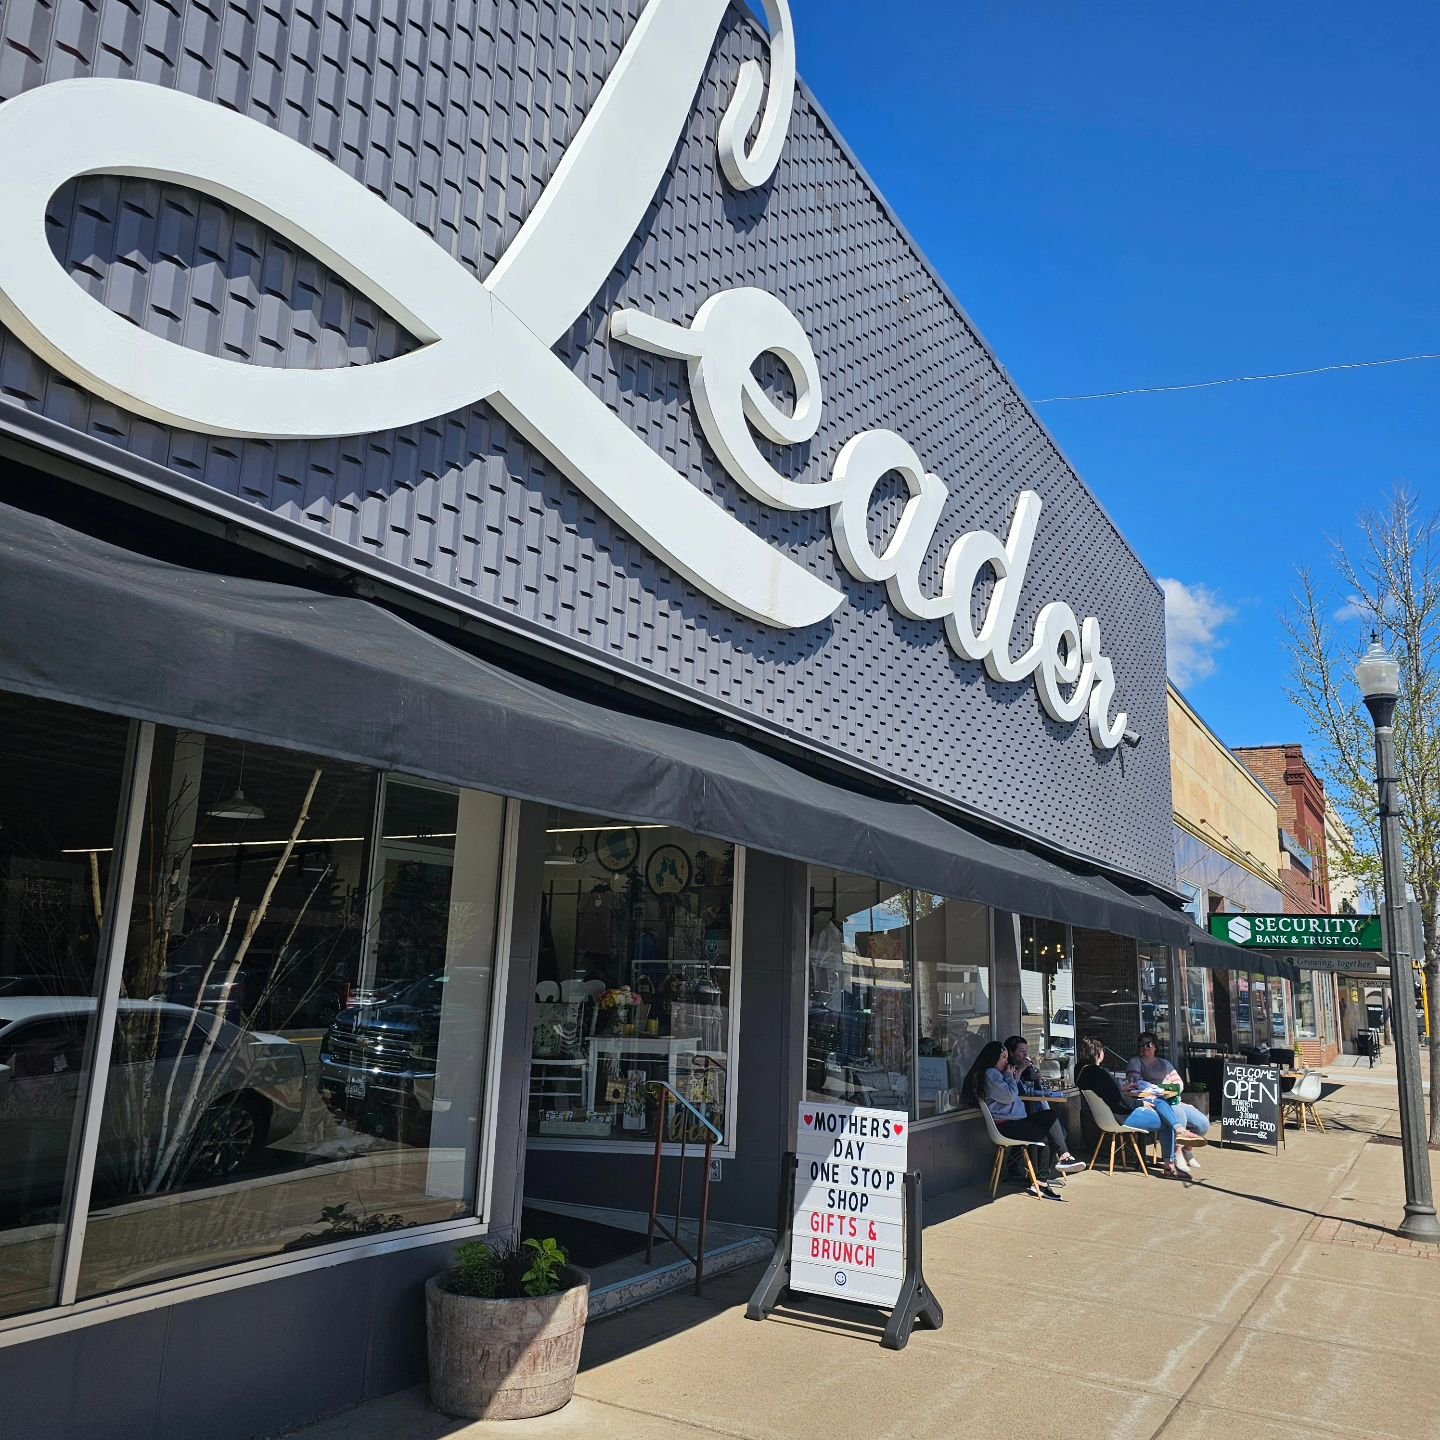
1378, 676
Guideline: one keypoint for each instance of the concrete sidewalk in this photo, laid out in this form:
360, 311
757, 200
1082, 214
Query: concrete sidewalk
1266, 1299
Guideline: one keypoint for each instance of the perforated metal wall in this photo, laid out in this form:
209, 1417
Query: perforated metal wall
457, 113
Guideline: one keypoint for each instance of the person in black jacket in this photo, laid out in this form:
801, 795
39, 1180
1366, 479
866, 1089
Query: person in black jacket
1152, 1115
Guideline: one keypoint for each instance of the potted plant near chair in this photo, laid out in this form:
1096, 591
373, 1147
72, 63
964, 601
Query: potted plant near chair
1198, 1095
505, 1324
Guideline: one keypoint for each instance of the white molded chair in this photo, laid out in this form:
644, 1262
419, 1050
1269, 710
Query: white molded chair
1302, 1095
1003, 1143
1115, 1132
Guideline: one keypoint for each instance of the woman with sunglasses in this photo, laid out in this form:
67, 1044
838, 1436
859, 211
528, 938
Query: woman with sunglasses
1144, 1075
1140, 1114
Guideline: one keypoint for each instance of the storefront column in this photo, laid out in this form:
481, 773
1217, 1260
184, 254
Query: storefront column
1006, 1006
525, 832
771, 1057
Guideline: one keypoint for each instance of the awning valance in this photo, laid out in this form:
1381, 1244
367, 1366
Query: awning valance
1212, 953
94, 624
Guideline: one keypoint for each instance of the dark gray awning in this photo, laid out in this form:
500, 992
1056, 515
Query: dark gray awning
1213, 953
93, 624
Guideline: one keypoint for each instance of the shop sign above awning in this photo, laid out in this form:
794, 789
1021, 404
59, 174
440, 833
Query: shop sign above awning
260, 661
1340, 933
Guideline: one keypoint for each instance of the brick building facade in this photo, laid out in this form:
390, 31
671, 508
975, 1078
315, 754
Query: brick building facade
1300, 797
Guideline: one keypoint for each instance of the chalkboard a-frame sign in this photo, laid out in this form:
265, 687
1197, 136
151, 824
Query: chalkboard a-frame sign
851, 1219
1250, 1105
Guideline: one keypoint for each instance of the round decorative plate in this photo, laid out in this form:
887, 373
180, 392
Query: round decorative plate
617, 849
667, 872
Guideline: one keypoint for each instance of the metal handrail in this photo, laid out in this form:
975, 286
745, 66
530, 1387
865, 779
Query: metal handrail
675, 1094
664, 1091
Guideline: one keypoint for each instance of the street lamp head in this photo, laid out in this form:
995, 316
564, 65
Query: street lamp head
1378, 676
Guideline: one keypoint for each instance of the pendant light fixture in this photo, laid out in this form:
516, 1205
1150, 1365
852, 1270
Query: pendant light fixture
237, 807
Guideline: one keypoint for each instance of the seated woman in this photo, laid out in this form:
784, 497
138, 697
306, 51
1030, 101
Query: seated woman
1028, 1078
991, 1082
1152, 1115
1145, 1074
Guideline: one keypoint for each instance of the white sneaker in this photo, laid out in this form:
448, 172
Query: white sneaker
1192, 1160
1180, 1162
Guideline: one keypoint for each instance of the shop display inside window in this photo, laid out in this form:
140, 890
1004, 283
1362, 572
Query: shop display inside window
635, 981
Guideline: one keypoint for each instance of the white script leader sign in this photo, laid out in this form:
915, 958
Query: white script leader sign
848, 1230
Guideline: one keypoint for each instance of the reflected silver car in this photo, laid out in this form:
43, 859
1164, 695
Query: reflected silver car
189, 1096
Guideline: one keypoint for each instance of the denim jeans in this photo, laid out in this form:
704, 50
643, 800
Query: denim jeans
1159, 1121
1193, 1120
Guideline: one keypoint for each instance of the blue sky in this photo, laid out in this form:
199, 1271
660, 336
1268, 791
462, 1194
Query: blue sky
1127, 194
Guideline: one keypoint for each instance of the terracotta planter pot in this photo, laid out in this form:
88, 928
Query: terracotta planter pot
504, 1359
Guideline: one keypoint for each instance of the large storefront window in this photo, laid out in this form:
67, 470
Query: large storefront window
1107, 991
61, 772
899, 994
1155, 994
1047, 989
1307, 1018
304, 1012
1199, 1005
637, 981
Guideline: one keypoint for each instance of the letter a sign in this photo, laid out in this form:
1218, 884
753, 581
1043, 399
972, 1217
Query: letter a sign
847, 1237
854, 1226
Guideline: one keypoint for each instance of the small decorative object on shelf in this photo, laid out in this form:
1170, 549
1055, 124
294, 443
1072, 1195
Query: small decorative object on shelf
634, 1116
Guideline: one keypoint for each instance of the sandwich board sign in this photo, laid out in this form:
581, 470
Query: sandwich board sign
848, 1229
1250, 1104
851, 1207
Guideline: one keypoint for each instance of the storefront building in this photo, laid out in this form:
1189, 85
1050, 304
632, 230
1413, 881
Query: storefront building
521, 586
1228, 860
1361, 991
1305, 826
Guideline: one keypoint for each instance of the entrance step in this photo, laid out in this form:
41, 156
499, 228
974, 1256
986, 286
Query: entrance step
649, 1283
618, 1283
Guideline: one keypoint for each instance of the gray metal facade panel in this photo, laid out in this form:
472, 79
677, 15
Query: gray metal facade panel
457, 113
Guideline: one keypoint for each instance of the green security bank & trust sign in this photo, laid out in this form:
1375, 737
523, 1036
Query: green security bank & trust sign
1299, 932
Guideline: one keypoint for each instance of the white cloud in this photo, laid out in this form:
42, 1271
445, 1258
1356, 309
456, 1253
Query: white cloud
1354, 608
1194, 615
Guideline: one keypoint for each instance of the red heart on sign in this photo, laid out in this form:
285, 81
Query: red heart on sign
809, 1118
899, 1129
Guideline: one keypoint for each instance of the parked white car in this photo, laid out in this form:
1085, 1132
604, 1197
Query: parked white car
248, 1091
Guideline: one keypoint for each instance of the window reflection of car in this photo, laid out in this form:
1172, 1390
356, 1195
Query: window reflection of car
378, 1061
1062, 1032
246, 1093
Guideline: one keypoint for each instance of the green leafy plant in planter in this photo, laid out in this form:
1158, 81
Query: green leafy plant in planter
505, 1325
533, 1267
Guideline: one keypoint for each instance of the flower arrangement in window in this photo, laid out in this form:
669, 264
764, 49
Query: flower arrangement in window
616, 1007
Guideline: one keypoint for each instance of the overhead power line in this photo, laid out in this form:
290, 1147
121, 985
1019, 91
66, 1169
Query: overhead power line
1237, 379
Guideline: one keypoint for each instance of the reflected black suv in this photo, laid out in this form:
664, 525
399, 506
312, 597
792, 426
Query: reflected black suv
377, 1062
